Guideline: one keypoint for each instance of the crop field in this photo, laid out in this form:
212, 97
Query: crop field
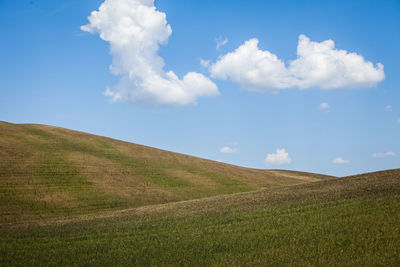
69, 198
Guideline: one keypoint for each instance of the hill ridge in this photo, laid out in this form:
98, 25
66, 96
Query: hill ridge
48, 171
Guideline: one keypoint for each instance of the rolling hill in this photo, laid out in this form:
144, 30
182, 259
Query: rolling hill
351, 221
49, 171
71, 198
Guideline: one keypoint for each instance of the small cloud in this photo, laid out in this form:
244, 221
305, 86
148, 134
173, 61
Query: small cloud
228, 150
388, 108
221, 41
324, 106
340, 160
278, 158
381, 155
398, 120
204, 63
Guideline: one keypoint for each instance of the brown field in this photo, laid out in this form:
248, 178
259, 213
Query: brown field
48, 172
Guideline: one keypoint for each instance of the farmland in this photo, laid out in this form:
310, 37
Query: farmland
63, 214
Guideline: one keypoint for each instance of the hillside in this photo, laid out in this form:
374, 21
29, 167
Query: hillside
71, 198
351, 221
49, 171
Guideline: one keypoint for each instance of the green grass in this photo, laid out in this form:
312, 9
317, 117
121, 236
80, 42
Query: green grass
351, 221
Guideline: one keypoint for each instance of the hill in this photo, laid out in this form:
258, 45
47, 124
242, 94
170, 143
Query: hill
49, 172
341, 221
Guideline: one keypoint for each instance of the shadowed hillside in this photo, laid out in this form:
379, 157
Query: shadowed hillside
49, 171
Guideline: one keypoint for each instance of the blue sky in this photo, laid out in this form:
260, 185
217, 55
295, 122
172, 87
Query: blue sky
54, 72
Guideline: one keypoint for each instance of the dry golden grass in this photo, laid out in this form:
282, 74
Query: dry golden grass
119, 180
338, 190
49, 171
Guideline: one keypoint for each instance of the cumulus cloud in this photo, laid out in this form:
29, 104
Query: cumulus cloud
278, 158
135, 30
228, 150
388, 108
322, 65
381, 155
252, 68
340, 160
318, 64
221, 41
324, 106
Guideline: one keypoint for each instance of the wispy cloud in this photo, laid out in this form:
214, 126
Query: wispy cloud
340, 160
228, 150
380, 155
280, 157
205, 63
388, 108
135, 29
221, 41
324, 106
318, 64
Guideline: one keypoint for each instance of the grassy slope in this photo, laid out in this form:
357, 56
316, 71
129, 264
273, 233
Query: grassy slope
344, 221
51, 172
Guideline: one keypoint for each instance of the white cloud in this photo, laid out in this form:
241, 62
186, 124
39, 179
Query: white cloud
318, 64
388, 108
252, 68
398, 120
221, 41
383, 154
205, 63
321, 65
324, 106
278, 158
340, 160
228, 150
135, 29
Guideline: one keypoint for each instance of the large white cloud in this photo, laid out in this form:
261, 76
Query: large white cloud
252, 68
135, 29
318, 64
321, 65
278, 158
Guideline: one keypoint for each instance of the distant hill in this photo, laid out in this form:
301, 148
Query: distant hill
49, 171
